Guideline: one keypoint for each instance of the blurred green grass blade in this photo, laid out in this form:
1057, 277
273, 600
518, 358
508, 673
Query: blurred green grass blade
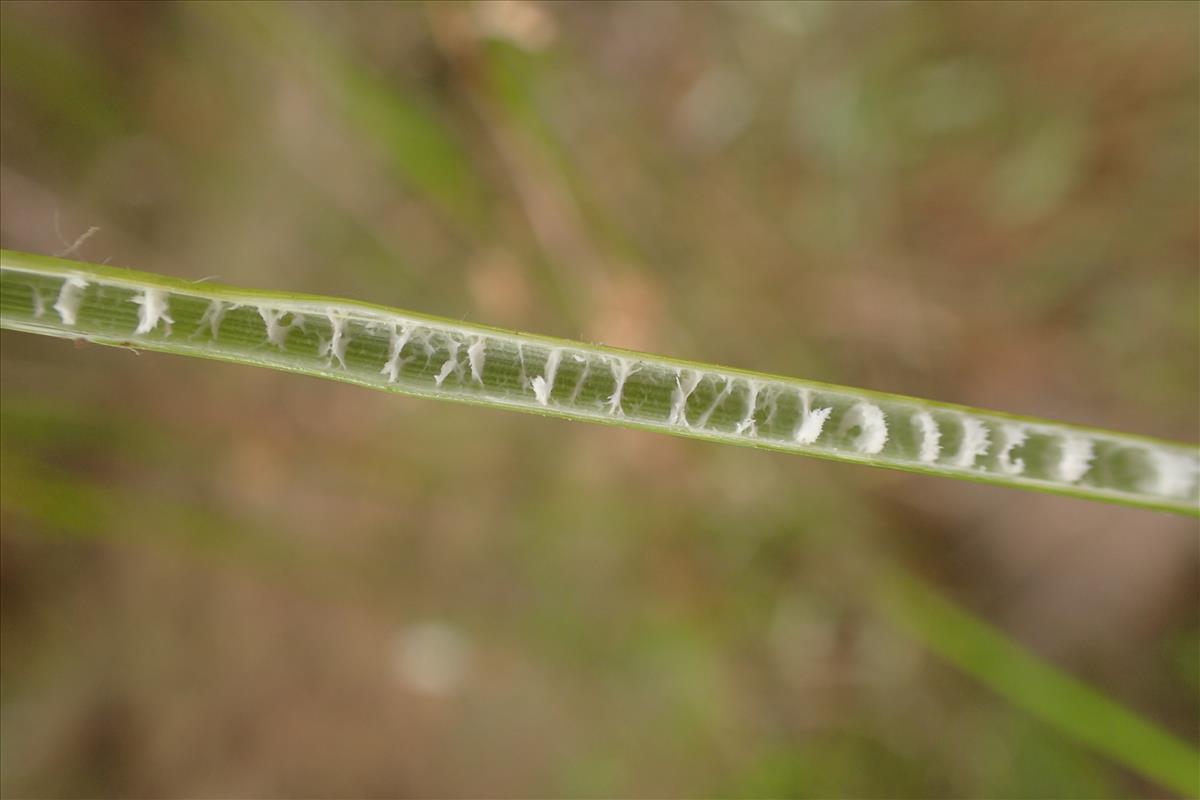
421, 149
418, 144
426, 356
1030, 683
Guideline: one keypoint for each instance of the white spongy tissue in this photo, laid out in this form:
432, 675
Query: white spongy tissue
929, 435
542, 386
1174, 474
475, 356
338, 340
152, 310
451, 364
975, 442
747, 425
69, 298
276, 333
621, 370
1011, 437
872, 425
811, 425
399, 338
1076, 458
686, 382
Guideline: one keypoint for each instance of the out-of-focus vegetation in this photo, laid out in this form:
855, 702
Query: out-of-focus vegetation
217, 581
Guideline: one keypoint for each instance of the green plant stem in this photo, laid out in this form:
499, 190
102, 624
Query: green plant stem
429, 357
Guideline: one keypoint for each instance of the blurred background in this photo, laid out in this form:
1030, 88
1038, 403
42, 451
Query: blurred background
222, 581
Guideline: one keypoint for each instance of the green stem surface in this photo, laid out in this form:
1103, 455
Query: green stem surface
430, 357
